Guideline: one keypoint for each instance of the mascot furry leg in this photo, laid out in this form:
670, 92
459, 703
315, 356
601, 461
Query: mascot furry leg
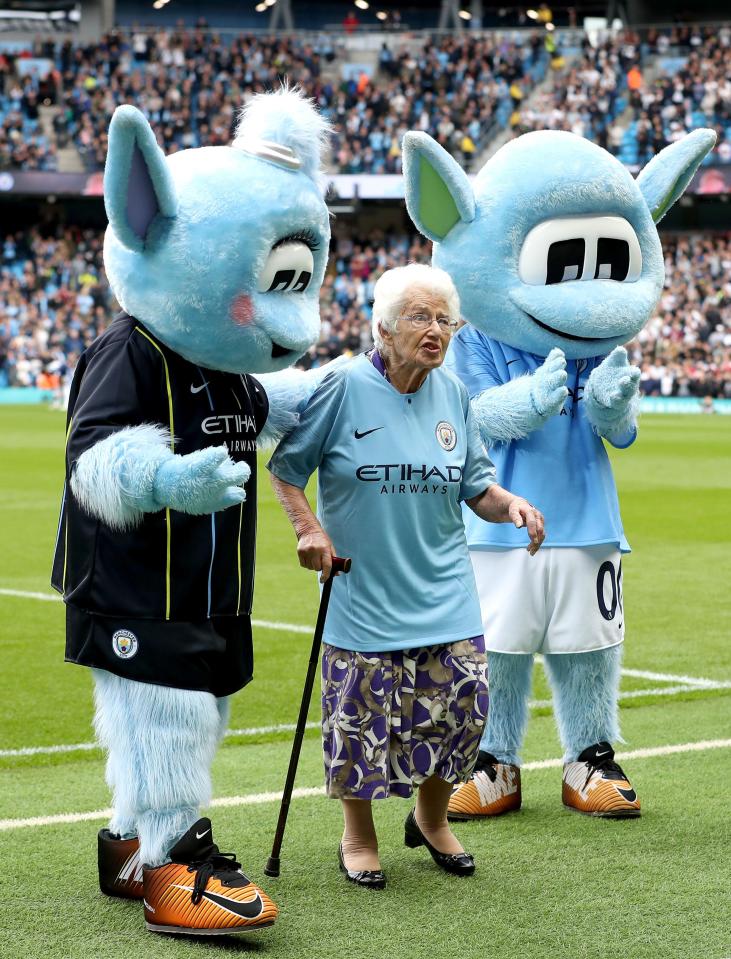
158, 767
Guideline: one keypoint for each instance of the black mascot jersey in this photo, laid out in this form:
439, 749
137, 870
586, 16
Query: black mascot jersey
167, 601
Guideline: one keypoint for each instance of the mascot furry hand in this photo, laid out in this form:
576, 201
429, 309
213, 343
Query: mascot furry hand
216, 256
557, 262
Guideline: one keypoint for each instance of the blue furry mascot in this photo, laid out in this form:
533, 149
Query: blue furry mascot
557, 262
216, 256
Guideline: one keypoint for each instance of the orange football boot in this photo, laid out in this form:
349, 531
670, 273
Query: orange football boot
120, 869
494, 789
203, 892
597, 786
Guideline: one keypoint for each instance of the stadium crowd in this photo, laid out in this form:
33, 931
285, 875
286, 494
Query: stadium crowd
590, 96
585, 98
54, 300
452, 89
695, 93
23, 145
192, 83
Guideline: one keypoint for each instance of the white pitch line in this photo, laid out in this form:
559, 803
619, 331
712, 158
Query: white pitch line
260, 623
23, 594
290, 727
256, 799
85, 747
284, 627
661, 677
640, 753
48, 750
298, 628
653, 691
684, 684
669, 677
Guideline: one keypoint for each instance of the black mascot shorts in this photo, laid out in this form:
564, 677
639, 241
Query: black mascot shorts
215, 655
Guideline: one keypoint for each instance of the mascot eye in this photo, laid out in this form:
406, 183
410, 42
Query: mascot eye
612, 259
565, 261
288, 269
580, 248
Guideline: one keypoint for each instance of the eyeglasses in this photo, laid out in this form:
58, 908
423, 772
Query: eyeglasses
422, 321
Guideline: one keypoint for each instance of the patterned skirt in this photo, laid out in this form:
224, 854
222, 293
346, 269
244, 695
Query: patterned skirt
391, 720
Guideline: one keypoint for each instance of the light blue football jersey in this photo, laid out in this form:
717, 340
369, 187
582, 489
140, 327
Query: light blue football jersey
393, 469
562, 468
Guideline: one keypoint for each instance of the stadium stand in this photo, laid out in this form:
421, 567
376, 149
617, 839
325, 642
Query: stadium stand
693, 89
458, 90
585, 98
22, 144
191, 84
632, 94
54, 300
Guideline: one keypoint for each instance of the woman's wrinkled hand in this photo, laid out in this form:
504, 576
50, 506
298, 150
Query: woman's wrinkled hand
315, 551
522, 514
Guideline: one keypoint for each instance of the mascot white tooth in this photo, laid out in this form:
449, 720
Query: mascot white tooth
216, 256
557, 262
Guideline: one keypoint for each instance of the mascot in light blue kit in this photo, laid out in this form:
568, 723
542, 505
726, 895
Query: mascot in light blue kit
216, 256
557, 262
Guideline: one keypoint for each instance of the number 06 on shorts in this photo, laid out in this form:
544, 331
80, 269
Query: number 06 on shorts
562, 600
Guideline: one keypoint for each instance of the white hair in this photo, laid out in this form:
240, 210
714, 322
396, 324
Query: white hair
394, 287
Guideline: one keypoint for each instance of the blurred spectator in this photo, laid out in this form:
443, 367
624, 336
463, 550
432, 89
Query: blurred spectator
54, 300
587, 97
685, 349
191, 84
698, 93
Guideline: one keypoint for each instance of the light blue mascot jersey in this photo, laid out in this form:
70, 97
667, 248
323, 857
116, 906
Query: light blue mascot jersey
393, 469
563, 464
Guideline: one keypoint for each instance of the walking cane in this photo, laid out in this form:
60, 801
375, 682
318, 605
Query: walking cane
339, 565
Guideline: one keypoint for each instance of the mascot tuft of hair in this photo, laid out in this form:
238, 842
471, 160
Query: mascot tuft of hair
557, 261
216, 256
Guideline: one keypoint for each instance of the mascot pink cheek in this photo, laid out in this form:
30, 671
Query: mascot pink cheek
242, 310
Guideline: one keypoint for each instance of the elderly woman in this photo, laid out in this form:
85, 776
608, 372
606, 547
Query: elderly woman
403, 671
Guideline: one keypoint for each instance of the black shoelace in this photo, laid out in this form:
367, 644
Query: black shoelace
485, 765
603, 765
221, 862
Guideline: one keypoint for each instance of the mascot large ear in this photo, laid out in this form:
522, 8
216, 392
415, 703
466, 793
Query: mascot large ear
666, 176
438, 193
137, 183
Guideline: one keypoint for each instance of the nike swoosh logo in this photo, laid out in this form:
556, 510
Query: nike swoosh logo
359, 436
197, 389
200, 835
148, 906
246, 910
629, 794
605, 753
512, 361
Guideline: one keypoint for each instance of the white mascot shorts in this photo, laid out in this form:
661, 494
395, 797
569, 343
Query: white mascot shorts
562, 600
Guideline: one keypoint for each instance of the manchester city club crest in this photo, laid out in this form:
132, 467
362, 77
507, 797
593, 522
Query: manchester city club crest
124, 644
446, 435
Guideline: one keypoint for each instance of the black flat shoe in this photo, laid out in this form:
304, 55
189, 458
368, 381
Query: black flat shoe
459, 864
369, 878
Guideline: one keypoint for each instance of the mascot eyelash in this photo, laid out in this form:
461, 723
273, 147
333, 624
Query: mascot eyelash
310, 240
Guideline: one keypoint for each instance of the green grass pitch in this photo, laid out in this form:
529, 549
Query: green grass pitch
549, 883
